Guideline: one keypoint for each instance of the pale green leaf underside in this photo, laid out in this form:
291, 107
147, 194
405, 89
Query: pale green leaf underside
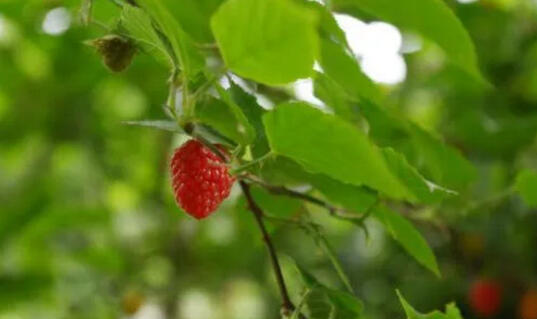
164, 125
269, 41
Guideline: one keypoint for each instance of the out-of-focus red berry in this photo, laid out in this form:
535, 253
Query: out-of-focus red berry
485, 297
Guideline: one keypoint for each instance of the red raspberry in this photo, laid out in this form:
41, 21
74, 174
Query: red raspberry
200, 179
485, 297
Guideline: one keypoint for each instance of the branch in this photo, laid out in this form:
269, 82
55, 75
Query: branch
287, 305
332, 210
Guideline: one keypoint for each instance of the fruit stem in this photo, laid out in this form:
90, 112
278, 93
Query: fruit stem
246, 166
287, 305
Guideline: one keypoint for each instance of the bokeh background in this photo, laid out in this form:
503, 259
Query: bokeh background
89, 227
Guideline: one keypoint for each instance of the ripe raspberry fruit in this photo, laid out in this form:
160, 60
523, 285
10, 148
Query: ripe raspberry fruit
200, 179
485, 297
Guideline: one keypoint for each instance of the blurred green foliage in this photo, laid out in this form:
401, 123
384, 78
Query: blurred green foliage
87, 217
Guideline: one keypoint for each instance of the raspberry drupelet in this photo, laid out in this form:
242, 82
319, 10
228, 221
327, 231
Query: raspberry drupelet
200, 179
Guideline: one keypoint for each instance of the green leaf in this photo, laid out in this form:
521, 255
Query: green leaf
324, 302
281, 206
314, 231
431, 18
327, 26
269, 41
345, 305
344, 70
219, 115
384, 128
422, 189
407, 235
325, 144
254, 113
23, 287
244, 128
355, 198
195, 16
284, 171
189, 59
140, 28
303, 300
526, 186
334, 96
164, 125
452, 312
443, 163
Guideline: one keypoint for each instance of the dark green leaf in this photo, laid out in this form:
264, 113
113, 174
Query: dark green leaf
344, 70
254, 113
422, 189
405, 233
23, 287
443, 163
244, 128
284, 171
324, 302
526, 186
219, 115
275, 205
452, 312
355, 198
334, 96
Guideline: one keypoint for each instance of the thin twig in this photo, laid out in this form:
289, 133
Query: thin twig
287, 305
332, 210
489, 201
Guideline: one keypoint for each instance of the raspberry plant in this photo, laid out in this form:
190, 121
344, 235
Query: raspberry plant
356, 158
